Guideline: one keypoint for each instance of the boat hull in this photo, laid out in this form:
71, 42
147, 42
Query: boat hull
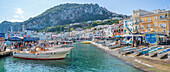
162, 55
42, 56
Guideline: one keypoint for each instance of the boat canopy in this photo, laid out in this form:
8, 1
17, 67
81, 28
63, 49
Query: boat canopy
118, 36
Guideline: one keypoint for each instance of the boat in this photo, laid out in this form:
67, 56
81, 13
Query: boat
146, 51
139, 51
163, 53
168, 56
128, 51
155, 51
85, 42
114, 46
43, 54
124, 48
5, 52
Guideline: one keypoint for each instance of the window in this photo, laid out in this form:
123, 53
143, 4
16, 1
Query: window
149, 26
164, 30
160, 17
149, 19
124, 31
141, 26
142, 20
136, 28
125, 23
155, 24
160, 25
155, 17
164, 25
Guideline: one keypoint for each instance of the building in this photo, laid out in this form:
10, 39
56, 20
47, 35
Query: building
118, 28
136, 18
157, 22
127, 26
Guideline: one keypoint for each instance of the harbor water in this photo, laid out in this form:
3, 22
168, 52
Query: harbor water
83, 58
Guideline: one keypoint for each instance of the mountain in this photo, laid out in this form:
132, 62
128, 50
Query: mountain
16, 26
65, 14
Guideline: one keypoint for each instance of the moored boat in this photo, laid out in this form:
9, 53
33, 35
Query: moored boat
128, 51
120, 50
139, 51
155, 51
48, 54
163, 53
146, 51
85, 42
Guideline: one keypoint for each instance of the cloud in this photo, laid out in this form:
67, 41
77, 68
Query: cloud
1, 21
19, 13
15, 20
16, 16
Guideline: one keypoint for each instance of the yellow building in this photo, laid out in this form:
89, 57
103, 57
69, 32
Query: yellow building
158, 22
136, 18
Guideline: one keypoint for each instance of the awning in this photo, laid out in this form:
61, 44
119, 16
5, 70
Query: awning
118, 36
31, 39
14, 39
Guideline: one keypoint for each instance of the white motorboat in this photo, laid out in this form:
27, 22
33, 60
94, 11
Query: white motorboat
48, 54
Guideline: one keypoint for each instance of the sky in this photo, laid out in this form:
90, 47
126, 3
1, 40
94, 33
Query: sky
20, 10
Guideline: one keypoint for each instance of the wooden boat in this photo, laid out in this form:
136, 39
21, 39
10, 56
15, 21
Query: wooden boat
154, 51
163, 53
169, 56
146, 51
139, 51
128, 51
120, 50
6, 53
85, 42
48, 54
114, 46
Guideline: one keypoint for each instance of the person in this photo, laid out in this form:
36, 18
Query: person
16, 46
5, 46
144, 42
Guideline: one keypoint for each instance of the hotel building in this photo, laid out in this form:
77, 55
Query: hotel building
157, 22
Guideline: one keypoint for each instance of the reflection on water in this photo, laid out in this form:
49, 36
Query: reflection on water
84, 57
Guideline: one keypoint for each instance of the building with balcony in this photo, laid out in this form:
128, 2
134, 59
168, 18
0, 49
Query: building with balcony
158, 22
118, 28
136, 18
127, 26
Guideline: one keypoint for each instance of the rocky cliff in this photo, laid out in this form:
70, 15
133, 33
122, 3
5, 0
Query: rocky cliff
64, 14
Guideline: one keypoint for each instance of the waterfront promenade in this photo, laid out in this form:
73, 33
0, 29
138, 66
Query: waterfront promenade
142, 62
